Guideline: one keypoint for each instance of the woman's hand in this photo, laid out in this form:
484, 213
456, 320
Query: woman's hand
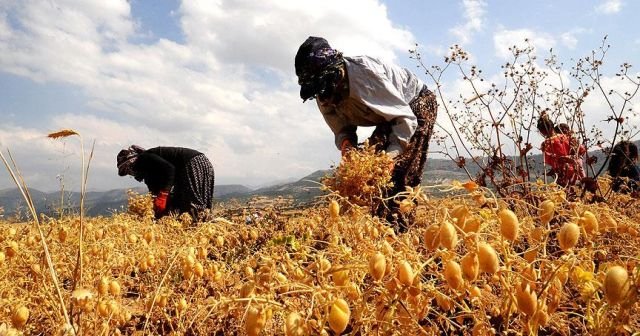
160, 202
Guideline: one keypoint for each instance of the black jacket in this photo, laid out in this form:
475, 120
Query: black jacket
159, 166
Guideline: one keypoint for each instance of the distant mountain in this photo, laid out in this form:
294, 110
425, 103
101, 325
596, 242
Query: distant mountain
302, 190
230, 189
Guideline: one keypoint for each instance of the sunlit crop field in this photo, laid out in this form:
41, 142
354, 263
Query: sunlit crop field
467, 266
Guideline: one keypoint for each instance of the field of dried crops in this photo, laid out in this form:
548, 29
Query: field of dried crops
467, 266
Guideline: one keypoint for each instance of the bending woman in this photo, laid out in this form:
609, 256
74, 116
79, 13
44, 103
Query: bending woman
180, 179
623, 169
366, 91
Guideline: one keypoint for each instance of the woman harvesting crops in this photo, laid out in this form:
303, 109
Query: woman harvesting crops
180, 179
559, 154
623, 168
365, 91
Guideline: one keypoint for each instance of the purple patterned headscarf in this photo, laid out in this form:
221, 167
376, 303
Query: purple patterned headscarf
315, 57
127, 158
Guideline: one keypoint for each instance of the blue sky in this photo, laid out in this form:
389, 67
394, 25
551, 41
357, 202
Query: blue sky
218, 76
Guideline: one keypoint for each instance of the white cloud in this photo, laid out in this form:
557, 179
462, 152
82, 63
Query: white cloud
609, 7
569, 38
474, 13
503, 39
229, 90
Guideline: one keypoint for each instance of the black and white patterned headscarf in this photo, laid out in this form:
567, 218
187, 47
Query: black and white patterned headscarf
127, 158
317, 67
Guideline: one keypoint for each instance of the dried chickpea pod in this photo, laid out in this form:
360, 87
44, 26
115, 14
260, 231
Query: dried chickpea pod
255, 320
546, 211
488, 258
377, 266
340, 278
470, 266
616, 285
114, 288
509, 224
339, 315
460, 213
432, 237
568, 236
608, 224
294, 325
527, 299
589, 222
453, 275
448, 236
472, 224
405, 273
334, 209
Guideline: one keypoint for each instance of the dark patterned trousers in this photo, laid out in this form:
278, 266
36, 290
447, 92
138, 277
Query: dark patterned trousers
409, 166
193, 191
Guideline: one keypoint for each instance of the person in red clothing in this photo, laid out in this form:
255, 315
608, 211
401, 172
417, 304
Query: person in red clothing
559, 155
180, 179
577, 150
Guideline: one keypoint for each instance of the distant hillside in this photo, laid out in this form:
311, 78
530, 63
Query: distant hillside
229, 189
302, 190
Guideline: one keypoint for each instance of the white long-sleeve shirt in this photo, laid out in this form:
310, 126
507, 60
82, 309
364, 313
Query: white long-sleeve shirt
379, 93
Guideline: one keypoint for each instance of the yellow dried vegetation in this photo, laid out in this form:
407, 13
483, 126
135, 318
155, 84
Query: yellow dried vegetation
547, 266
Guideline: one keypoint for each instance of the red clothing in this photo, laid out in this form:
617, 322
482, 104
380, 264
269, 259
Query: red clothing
563, 159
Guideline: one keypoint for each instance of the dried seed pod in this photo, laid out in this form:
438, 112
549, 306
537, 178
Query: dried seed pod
546, 211
568, 236
323, 265
526, 299
340, 278
12, 249
103, 286
453, 275
608, 223
247, 289
475, 292
616, 285
334, 209
509, 224
339, 316
459, 213
405, 273
219, 241
255, 320
472, 224
470, 266
294, 325
432, 237
405, 206
114, 288
448, 236
589, 222
181, 305
377, 266
19, 316
148, 236
487, 258
102, 308
198, 269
